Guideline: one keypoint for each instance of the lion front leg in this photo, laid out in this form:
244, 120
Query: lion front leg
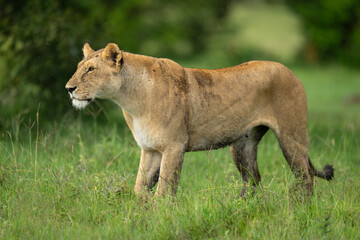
148, 173
170, 170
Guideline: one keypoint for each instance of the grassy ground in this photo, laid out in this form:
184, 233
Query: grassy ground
74, 180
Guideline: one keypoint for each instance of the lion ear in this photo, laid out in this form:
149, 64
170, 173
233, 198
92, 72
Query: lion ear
113, 53
87, 50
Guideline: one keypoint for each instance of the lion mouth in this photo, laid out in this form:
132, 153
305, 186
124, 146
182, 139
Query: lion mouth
81, 103
84, 99
89, 100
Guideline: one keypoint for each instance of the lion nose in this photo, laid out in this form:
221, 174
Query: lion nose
71, 89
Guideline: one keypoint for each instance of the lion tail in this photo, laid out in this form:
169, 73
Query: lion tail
327, 173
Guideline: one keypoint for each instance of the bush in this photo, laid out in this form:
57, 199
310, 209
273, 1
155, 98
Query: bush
41, 41
332, 28
39, 47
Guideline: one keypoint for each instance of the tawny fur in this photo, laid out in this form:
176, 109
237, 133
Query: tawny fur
172, 110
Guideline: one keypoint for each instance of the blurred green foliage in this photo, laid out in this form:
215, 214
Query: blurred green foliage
332, 28
41, 41
40, 45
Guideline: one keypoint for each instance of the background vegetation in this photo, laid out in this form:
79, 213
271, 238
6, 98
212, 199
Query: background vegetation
69, 174
41, 41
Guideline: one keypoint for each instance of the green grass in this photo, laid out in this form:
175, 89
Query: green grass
75, 180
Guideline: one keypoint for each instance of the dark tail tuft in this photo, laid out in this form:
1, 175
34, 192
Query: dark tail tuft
327, 173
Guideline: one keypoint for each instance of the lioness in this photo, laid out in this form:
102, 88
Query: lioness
172, 110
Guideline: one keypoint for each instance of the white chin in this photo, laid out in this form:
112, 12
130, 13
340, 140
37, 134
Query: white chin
79, 104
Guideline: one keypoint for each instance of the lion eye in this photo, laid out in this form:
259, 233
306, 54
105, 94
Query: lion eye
90, 69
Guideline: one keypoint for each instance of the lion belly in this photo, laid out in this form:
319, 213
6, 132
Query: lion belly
203, 143
217, 134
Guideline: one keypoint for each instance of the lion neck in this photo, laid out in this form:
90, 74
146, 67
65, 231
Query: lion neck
135, 84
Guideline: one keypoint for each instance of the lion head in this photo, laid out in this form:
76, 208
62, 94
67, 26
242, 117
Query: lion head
96, 75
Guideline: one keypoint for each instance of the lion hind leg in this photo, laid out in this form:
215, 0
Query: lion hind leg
296, 155
244, 154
